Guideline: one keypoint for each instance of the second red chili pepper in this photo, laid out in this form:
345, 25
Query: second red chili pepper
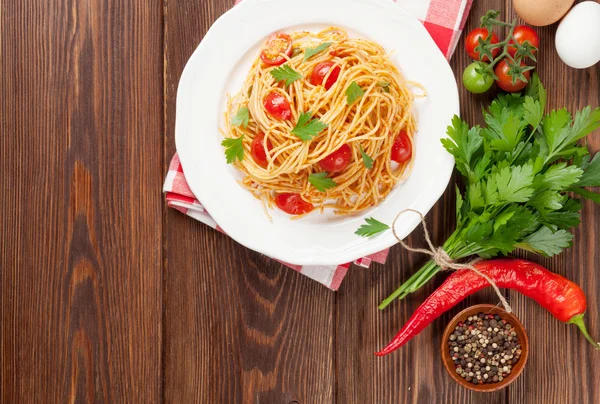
562, 298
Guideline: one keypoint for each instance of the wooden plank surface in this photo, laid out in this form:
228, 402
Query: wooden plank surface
108, 296
80, 207
239, 327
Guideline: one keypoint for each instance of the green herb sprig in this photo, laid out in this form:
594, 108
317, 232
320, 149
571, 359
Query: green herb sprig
234, 149
241, 118
321, 181
353, 92
310, 52
518, 172
371, 228
307, 127
285, 73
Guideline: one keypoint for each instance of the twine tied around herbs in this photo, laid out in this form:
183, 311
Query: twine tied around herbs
443, 260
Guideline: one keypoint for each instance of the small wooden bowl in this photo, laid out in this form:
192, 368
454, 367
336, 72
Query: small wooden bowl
516, 369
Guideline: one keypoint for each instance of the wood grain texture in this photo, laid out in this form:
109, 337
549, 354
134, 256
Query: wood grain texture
563, 367
238, 327
109, 297
80, 215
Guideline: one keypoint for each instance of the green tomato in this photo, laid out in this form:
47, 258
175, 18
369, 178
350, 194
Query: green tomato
474, 81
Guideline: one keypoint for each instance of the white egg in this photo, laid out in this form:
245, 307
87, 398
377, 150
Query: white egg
578, 36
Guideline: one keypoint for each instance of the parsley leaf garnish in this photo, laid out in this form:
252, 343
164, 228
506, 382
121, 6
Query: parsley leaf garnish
241, 118
368, 161
321, 181
285, 73
371, 228
310, 52
353, 92
307, 128
234, 149
385, 85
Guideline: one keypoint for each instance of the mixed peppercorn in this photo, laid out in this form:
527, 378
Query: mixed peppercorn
484, 348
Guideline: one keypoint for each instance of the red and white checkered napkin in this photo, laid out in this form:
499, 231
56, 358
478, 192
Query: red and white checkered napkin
444, 19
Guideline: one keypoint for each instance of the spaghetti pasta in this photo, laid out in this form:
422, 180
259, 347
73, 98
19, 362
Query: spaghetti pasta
361, 102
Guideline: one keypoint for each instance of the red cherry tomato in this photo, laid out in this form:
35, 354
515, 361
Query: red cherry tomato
505, 81
293, 204
258, 150
338, 160
402, 148
277, 106
472, 42
524, 33
276, 46
321, 70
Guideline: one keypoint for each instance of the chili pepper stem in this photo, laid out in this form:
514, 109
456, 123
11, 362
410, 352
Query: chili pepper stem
578, 321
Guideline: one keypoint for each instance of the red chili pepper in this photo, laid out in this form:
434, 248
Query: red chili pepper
562, 298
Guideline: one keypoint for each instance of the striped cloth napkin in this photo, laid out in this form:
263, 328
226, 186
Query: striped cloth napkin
444, 19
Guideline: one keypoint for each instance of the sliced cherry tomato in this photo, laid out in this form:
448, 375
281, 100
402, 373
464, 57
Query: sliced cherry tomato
293, 204
259, 154
276, 46
338, 160
505, 81
474, 81
472, 42
277, 106
524, 33
402, 149
321, 70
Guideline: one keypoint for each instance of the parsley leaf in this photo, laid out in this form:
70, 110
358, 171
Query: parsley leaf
368, 161
556, 128
241, 118
371, 228
586, 121
558, 177
513, 184
353, 92
285, 73
310, 52
546, 242
591, 173
385, 85
548, 200
533, 112
307, 128
536, 90
234, 149
504, 131
321, 181
463, 144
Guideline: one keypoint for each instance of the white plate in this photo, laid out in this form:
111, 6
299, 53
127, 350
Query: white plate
218, 67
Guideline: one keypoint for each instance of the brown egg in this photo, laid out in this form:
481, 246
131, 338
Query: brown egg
542, 12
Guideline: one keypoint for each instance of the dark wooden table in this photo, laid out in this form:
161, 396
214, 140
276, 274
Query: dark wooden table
108, 296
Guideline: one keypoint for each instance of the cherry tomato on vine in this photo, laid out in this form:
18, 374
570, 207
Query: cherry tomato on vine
505, 80
472, 41
338, 160
259, 154
402, 148
524, 33
277, 106
276, 45
293, 204
474, 81
321, 70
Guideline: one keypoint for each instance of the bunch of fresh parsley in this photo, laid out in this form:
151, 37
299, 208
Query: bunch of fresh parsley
518, 172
